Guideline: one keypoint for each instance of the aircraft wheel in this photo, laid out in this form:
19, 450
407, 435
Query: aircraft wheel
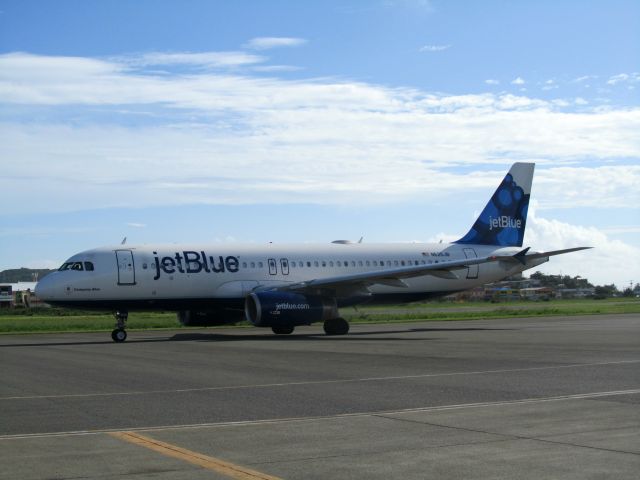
119, 335
286, 330
336, 326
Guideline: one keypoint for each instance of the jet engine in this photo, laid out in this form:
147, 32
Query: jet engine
287, 309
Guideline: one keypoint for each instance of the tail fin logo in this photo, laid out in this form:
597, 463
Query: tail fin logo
502, 222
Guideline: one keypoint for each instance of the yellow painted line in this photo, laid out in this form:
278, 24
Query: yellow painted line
228, 469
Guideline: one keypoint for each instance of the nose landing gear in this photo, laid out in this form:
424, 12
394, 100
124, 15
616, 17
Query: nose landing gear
119, 334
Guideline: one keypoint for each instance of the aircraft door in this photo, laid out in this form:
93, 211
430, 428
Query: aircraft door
273, 266
284, 266
126, 267
472, 270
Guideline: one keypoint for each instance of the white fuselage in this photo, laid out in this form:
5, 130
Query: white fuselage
176, 277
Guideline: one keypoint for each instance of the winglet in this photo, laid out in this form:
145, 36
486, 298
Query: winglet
521, 256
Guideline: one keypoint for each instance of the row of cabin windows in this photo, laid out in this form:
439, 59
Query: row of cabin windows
88, 266
345, 263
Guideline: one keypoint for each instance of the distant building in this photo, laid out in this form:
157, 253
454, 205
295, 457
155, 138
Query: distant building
537, 293
575, 292
19, 294
6, 295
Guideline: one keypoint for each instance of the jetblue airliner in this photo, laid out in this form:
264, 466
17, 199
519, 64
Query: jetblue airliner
283, 286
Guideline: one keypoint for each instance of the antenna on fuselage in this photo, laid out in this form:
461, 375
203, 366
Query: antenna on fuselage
124, 240
361, 238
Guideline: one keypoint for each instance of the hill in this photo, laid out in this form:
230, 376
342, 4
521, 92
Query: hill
15, 275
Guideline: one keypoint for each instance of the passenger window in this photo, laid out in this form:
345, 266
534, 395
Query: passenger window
253, 264
308, 264
331, 264
88, 266
339, 263
367, 263
324, 264
395, 262
244, 264
260, 264
316, 264
353, 263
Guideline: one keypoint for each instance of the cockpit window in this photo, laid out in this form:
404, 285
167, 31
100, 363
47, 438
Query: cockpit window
88, 266
73, 266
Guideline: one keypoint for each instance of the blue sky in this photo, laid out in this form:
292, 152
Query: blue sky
255, 121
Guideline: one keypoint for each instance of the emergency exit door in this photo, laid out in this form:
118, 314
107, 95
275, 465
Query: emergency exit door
472, 270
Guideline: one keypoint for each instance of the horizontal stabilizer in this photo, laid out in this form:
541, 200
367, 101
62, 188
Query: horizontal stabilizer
556, 252
522, 256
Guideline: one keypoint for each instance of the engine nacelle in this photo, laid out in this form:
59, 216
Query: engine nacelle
209, 318
280, 309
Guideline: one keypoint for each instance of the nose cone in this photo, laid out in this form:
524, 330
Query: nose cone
45, 288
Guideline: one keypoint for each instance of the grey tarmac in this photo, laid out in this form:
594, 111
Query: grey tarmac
551, 397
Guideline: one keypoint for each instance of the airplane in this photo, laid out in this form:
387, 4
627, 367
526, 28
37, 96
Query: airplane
285, 286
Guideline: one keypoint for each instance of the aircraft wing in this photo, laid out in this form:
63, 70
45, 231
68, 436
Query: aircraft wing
390, 277
394, 277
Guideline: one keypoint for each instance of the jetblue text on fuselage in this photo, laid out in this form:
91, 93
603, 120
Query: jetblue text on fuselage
194, 262
503, 222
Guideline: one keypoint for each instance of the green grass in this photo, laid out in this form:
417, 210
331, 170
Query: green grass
59, 320
83, 323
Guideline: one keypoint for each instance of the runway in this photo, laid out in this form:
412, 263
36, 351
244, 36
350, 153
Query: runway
528, 398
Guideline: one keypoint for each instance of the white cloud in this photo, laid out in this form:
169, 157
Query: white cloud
276, 68
200, 59
584, 78
518, 81
265, 43
625, 78
434, 48
491, 81
211, 137
609, 261
615, 186
136, 225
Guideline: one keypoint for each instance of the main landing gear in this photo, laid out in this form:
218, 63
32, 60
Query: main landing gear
336, 326
333, 326
119, 334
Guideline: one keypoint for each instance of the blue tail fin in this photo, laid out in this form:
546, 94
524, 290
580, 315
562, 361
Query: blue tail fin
503, 220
